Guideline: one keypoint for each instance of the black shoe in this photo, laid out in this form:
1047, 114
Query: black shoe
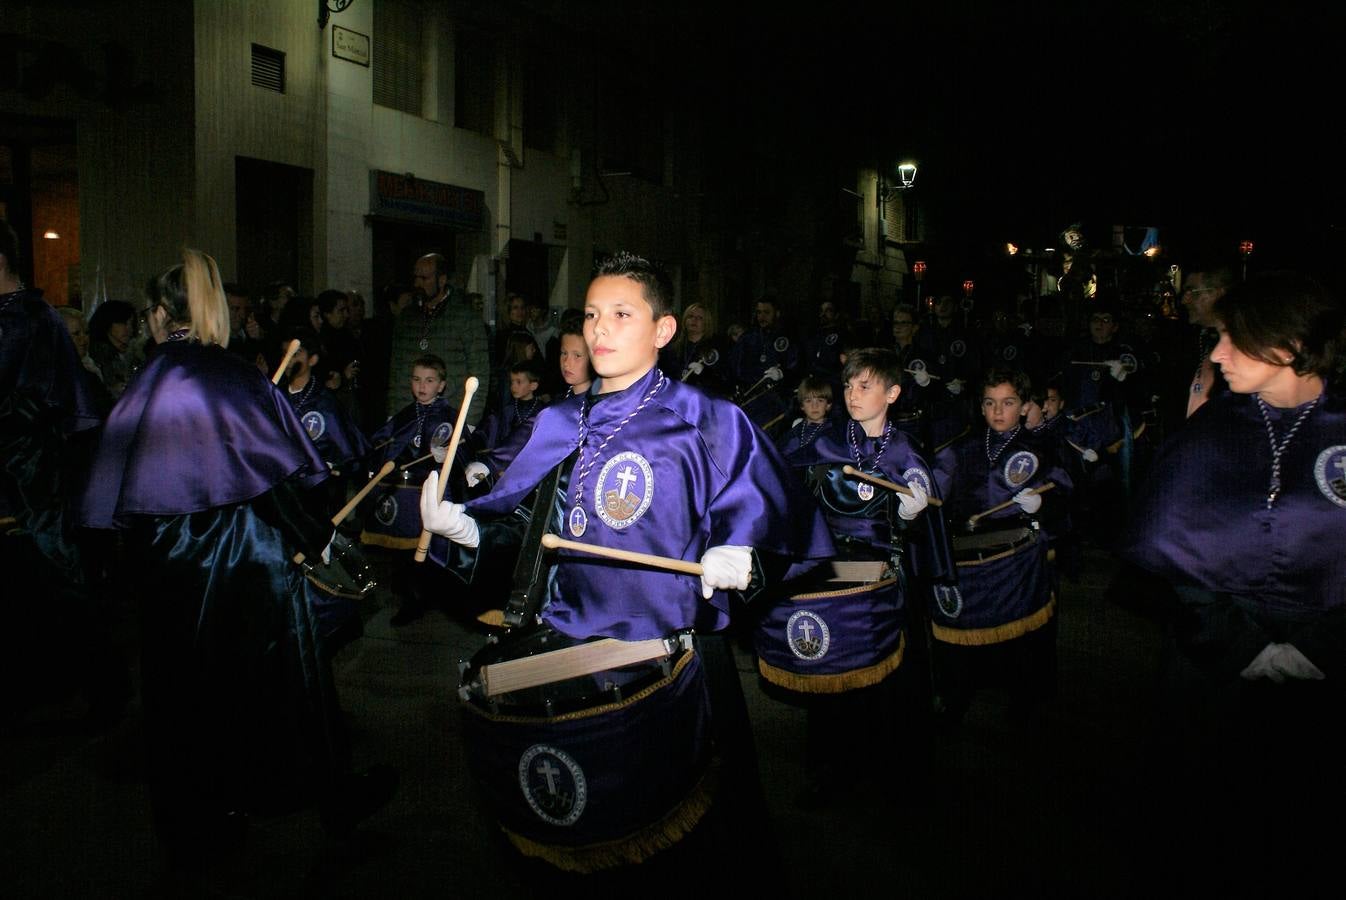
408, 612
356, 797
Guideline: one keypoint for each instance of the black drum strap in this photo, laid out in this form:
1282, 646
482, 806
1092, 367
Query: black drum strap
530, 587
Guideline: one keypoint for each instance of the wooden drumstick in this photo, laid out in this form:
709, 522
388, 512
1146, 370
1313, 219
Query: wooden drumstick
957, 437
419, 459
1075, 445
773, 422
355, 501
1117, 445
1085, 362
469, 388
919, 371
972, 520
748, 393
552, 542
885, 483
290, 352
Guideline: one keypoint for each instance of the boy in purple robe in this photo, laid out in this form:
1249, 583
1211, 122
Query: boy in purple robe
815, 404
416, 437
339, 440
505, 431
649, 464
1000, 626
880, 699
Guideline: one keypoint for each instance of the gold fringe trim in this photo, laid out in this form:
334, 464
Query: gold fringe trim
846, 592
995, 634
839, 682
633, 849
493, 618
387, 540
682, 663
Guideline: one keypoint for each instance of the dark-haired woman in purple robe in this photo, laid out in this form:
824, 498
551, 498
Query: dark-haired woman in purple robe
1244, 514
202, 464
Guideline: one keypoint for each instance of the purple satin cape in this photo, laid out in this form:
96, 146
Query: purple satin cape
716, 480
1201, 518
38, 359
198, 429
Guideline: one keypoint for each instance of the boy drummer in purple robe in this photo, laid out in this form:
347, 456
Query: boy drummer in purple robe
879, 695
339, 440
1000, 627
652, 465
416, 437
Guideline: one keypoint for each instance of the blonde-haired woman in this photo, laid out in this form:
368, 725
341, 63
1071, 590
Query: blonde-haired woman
203, 465
697, 355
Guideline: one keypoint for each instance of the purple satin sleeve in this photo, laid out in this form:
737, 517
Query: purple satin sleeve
198, 429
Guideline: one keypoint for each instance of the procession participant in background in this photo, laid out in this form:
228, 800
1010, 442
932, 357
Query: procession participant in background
814, 396
852, 652
1243, 514
957, 363
56, 626
698, 355
442, 322
644, 463
761, 362
504, 432
1094, 374
1202, 288
203, 464
92, 376
339, 440
1071, 445
112, 332
416, 437
915, 356
1000, 627
824, 347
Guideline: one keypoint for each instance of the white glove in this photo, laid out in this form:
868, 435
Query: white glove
1262, 667
695, 367
476, 472
910, 507
1028, 501
1117, 369
955, 387
1292, 664
922, 377
439, 451
773, 374
1089, 455
445, 518
795, 423
327, 551
724, 568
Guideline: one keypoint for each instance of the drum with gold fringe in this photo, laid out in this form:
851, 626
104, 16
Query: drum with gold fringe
392, 514
1004, 589
598, 771
834, 640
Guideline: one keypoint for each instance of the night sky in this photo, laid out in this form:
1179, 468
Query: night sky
1213, 121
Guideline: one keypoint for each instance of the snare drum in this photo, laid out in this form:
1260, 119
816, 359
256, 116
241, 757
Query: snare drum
592, 771
826, 642
335, 588
394, 517
1004, 588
